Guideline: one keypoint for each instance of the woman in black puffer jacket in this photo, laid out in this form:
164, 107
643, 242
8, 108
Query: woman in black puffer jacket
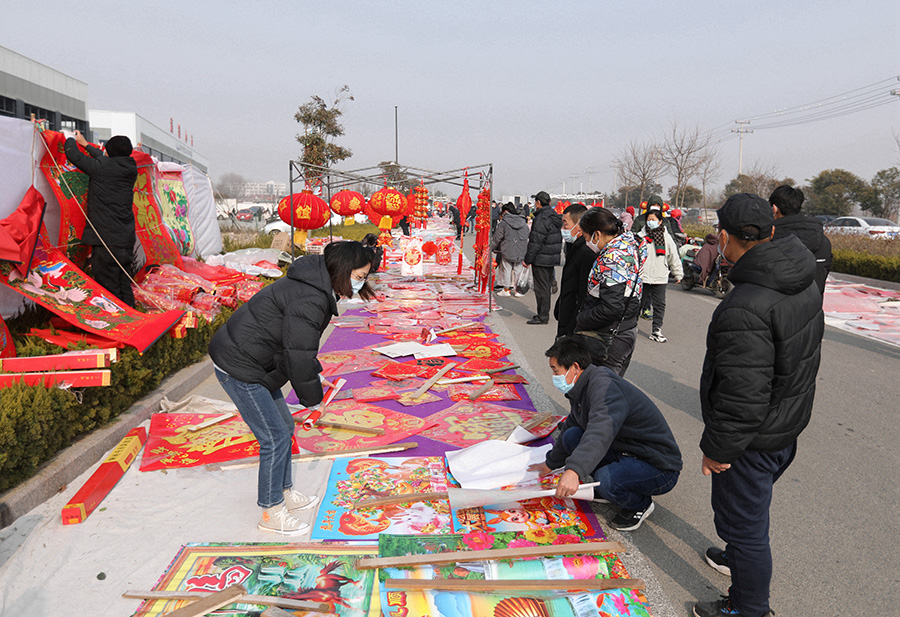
273, 339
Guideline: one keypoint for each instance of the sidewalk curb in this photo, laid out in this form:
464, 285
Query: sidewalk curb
54, 475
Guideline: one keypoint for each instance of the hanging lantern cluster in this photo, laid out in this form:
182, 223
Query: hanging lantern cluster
483, 237
420, 213
309, 212
561, 206
347, 204
389, 205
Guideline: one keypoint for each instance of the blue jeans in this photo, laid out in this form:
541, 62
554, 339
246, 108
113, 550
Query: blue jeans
624, 480
741, 496
268, 416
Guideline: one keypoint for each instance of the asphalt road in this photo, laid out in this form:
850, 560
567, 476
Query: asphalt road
835, 516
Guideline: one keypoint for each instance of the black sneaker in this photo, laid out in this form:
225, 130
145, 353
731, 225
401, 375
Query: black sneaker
536, 321
629, 520
718, 608
717, 560
554, 288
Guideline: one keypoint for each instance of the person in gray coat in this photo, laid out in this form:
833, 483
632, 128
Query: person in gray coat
510, 242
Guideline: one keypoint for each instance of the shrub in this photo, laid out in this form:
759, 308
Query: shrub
866, 265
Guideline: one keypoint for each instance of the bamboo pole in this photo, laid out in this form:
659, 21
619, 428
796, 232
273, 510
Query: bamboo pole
484, 586
245, 598
425, 387
317, 456
389, 500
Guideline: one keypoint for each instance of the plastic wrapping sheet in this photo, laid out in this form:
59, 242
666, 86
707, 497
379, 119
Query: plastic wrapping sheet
202, 213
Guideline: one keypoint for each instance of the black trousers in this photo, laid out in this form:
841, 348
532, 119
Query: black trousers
741, 496
655, 297
543, 279
109, 275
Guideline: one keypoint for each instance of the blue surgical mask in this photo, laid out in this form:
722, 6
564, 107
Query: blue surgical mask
357, 285
559, 381
653, 224
567, 236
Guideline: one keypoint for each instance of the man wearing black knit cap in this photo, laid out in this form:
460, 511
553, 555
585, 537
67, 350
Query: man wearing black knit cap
756, 392
110, 228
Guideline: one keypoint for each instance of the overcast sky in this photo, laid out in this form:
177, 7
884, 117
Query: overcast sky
543, 90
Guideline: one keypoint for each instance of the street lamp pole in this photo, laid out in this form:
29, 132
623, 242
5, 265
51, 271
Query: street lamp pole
396, 139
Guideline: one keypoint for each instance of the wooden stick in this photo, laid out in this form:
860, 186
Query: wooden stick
447, 382
462, 325
210, 422
317, 456
483, 586
246, 598
427, 385
210, 602
481, 390
274, 611
379, 502
372, 430
548, 550
501, 369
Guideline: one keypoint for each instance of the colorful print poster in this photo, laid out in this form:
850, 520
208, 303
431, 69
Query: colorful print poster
397, 427
171, 443
156, 238
626, 602
60, 286
311, 572
359, 479
603, 565
174, 207
537, 519
469, 422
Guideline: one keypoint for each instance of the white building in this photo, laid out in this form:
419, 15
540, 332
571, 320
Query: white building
153, 140
264, 191
28, 87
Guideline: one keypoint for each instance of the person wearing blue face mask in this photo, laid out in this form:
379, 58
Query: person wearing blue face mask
614, 434
273, 339
662, 260
579, 261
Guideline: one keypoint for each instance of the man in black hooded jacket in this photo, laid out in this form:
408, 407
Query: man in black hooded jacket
543, 254
110, 229
756, 392
786, 203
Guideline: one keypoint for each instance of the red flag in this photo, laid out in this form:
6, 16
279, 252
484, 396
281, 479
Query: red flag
19, 231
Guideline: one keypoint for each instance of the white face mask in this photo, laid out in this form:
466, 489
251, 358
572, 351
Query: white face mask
567, 236
357, 285
592, 246
653, 224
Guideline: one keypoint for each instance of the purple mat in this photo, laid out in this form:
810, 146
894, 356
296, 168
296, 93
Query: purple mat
343, 339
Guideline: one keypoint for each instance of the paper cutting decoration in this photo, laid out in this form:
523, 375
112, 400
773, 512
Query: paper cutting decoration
174, 207
349, 361
311, 572
398, 371
486, 349
69, 185
412, 262
372, 394
470, 422
59, 286
353, 480
171, 444
397, 427
484, 364
504, 392
156, 238
407, 400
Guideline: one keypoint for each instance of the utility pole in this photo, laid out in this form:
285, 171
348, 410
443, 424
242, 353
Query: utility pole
396, 139
741, 130
590, 173
574, 177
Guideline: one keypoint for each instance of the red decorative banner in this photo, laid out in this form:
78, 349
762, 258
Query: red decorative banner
172, 444
155, 236
61, 287
69, 185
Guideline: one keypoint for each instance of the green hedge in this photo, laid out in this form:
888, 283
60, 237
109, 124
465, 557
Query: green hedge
863, 264
37, 422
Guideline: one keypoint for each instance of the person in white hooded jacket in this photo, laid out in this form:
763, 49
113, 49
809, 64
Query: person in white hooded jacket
662, 259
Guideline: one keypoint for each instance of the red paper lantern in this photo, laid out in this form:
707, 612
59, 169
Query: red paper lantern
310, 212
347, 203
389, 205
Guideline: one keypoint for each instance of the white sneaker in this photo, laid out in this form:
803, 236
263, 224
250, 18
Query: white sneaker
278, 520
517, 294
658, 337
295, 500
503, 293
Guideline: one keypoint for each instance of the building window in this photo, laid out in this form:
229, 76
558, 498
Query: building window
7, 106
41, 114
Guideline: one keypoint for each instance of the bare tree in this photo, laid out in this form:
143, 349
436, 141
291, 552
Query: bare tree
682, 154
231, 185
640, 165
708, 172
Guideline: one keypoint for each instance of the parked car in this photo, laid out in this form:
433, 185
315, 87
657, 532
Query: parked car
275, 225
244, 215
874, 227
824, 218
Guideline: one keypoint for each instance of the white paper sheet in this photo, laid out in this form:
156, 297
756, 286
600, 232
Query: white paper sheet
520, 436
461, 498
396, 350
493, 463
435, 351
